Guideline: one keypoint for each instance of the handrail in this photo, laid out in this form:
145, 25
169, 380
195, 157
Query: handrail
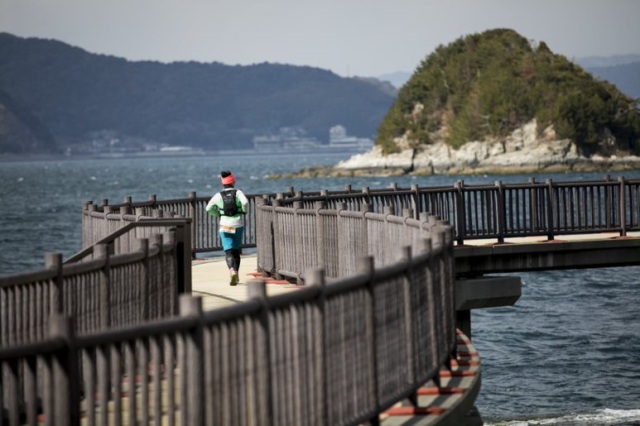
310, 354
148, 275
502, 211
497, 211
111, 238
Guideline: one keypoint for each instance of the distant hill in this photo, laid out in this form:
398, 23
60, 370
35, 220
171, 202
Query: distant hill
77, 95
626, 77
487, 85
589, 62
20, 131
397, 79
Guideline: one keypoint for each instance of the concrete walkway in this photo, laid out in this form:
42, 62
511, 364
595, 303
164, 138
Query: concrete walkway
210, 280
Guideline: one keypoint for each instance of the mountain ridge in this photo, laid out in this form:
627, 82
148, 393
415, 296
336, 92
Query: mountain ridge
78, 94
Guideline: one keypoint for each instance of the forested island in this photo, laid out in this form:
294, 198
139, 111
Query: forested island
497, 102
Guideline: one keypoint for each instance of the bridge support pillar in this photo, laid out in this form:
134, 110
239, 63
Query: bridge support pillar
484, 292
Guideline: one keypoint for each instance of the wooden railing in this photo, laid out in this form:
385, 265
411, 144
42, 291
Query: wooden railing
501, 210
101, 220
110, 287
337, 352
496, 211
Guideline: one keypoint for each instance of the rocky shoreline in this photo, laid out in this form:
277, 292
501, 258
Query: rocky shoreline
521, 152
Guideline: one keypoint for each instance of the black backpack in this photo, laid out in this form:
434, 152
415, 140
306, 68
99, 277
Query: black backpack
229, 206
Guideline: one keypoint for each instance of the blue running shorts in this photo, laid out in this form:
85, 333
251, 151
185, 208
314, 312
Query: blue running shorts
232, 240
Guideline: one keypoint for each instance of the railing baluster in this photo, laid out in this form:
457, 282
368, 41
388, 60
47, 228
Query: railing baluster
623, 207
551, 208
460, 210
500, 210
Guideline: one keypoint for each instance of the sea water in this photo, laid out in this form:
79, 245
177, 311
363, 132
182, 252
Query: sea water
568, 352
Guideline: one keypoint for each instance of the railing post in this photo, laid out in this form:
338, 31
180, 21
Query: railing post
388, 250
65, 374
193, 214
184, 253
405, 257
533, 201
365, 266
316, 278
193, 378
299, 242
448, 253
159, 276
429, 282
320, 242
623, 207
88, 236
367, 194
143, 246
365, 208
551, 208
277, 238
500, 210
415, 201
264, 231
443, 240
257, 290
608, 201
461, 229
100, 251
53, 261
341, 246
139, 212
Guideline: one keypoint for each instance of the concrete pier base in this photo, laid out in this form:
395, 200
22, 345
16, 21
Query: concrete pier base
484, 292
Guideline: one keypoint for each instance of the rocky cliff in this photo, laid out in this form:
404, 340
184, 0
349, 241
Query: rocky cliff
520, 152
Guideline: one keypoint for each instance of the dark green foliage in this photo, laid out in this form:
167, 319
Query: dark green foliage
20, 131
208, 105
487, 85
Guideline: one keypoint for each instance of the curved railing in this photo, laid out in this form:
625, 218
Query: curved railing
98, 221
337, 352
131, 277
496, 211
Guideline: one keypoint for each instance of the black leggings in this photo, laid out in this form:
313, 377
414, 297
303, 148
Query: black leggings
233, 259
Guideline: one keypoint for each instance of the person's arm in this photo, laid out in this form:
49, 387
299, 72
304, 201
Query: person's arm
244, 202
213, 207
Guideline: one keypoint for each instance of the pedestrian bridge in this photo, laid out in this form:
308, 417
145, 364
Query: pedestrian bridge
113, 331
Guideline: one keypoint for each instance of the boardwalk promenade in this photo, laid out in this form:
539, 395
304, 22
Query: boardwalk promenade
371, 338
210, 281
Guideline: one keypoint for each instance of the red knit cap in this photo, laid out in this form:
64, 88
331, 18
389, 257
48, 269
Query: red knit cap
230, 179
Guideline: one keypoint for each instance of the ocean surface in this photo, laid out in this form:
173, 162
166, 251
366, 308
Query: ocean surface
568, 353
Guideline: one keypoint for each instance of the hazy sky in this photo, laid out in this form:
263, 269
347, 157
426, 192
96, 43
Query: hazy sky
349, 37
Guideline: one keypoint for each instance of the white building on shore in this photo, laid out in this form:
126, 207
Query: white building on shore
295, 139
339, 139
